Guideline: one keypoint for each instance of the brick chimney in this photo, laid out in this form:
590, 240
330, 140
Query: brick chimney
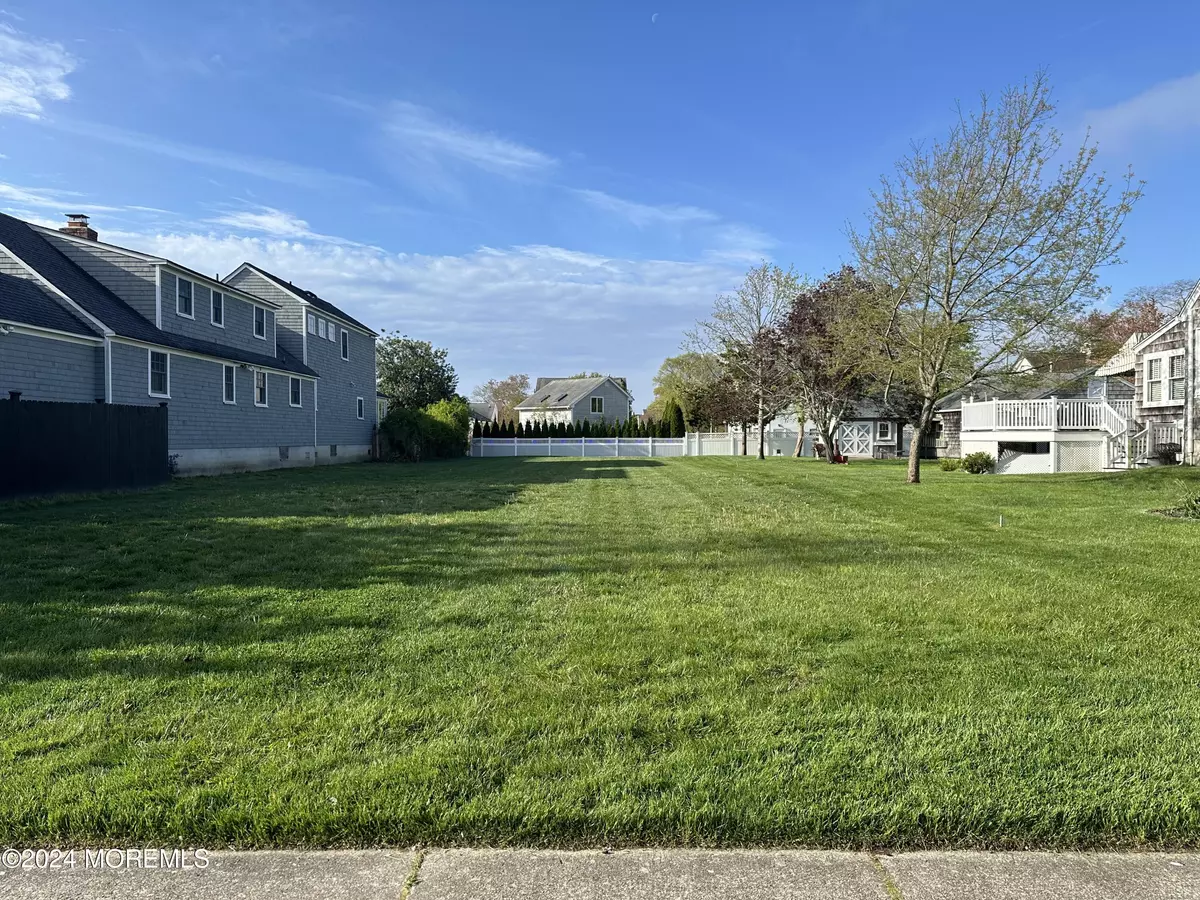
77, 226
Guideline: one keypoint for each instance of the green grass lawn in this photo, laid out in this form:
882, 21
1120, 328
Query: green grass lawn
565, 652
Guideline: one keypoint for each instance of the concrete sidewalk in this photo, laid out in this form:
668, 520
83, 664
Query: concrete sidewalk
631, 875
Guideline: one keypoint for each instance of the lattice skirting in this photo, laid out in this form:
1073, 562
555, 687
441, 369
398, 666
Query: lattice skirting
1080, 456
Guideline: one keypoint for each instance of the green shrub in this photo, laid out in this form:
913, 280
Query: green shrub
978, 463
439, 431
1189, 502
949, 464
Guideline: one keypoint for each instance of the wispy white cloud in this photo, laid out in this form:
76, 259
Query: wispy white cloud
497, 309
258, 166
736, 244
275, 223
32, 72
423, 134
1168, 108
434, 154
14, 196
643, 215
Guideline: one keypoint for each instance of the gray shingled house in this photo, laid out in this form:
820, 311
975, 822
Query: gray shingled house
600, 399
86, 321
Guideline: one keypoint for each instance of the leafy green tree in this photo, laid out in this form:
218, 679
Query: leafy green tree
503, 395
673, 419
984, 245
412, 373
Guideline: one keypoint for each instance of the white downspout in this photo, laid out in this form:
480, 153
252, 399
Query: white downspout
314, 421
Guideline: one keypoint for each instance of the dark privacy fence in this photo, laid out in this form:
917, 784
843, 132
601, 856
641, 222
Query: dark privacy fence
51, 447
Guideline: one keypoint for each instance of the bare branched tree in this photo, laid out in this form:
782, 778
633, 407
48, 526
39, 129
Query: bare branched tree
985, 248
743, 333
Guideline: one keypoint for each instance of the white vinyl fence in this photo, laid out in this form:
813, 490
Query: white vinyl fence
778, 443
590, 448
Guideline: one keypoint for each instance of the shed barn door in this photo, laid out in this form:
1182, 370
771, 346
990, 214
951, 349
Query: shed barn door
854, 439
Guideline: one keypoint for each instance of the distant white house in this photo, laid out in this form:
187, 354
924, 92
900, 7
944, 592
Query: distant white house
569, 400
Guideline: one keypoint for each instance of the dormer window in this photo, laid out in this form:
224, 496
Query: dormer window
260, 323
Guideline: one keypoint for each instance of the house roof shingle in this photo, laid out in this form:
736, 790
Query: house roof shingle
562, 393
24, 300
101, 303
319, 302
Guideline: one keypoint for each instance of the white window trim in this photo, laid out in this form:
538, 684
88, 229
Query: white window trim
1165, 379
312, 323
321, 328
344, 344
178, 294
254, 323
594, 401
212, 306
266, 388
360, 407
880, 436
233, 369
292, 379
150, 374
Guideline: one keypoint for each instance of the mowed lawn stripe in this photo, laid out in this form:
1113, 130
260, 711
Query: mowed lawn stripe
568, 652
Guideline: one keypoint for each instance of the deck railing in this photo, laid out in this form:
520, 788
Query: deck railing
1046, 415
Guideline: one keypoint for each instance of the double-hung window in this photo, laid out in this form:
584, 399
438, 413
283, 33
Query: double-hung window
218, 309
312, 324
260, 388
598, 404
294, 391
345, 344
332, 333
260, 322
229, 384
321, 327
1165, 379
883, 431
160, 374
183, 298
1176, 382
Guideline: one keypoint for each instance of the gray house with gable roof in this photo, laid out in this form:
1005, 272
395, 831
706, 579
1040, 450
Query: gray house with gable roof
600, 399
86, 321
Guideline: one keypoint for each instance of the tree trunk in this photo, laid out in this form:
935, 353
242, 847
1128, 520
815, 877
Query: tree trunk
761, 435
827, 439
745, 431
799, 442
914, 450
914, 455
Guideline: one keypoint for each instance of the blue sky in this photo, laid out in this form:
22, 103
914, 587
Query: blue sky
545, 187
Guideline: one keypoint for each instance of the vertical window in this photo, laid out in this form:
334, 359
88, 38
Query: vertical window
321, 327
260, 388
229, 386
884, 431
218, 308
294, 385
332, 333
260, 322
160, 374
597, 404
1176, 383
183, 298
312, 324
345, 344
360, 407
